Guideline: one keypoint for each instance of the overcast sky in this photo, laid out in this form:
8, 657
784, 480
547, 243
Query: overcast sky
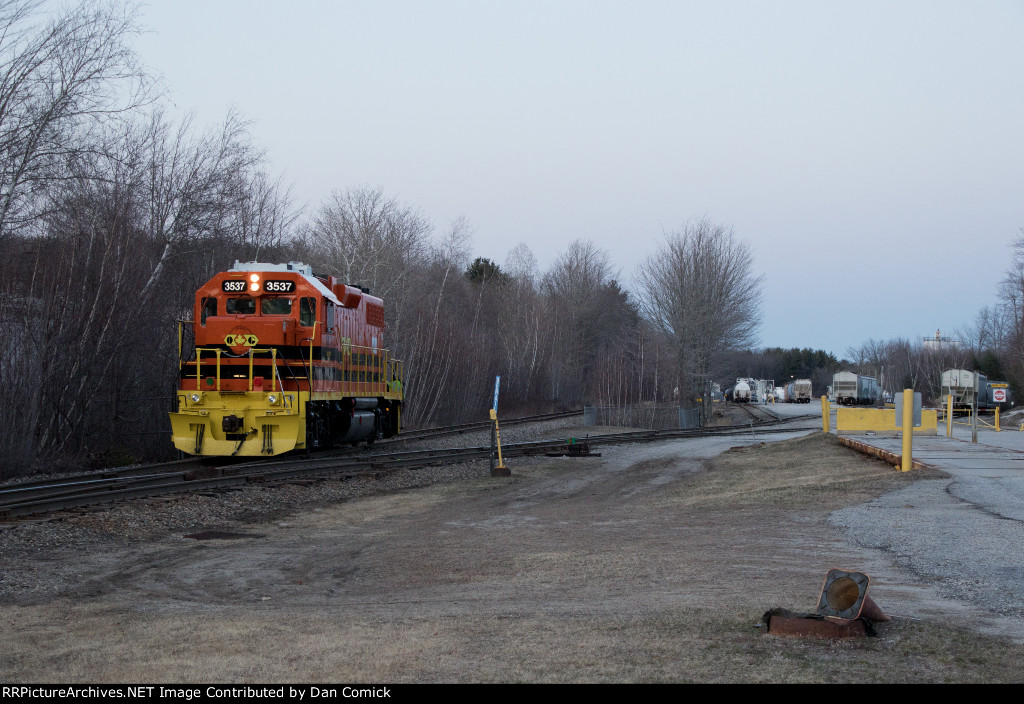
871, 153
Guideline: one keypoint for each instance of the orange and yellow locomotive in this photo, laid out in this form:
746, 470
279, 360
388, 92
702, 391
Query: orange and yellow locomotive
285, 360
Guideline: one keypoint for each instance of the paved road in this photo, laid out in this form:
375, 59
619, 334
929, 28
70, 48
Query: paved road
963, 532
960, 536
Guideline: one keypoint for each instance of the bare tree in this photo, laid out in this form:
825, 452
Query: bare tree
61, 80
366, 238
700, 290
201, 187
576, 292
432, 327
128, 233
989, 331
521, 264
1011, 294
521, 326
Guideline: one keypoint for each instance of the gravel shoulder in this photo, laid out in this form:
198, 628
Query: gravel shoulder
650, 563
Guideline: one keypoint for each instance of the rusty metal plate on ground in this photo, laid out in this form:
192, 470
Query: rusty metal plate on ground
816, 627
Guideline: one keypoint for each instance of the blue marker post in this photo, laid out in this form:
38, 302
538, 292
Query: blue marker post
500, 470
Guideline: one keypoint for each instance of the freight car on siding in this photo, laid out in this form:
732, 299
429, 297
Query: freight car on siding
999, 396
854, 389
960, 384
741, 392
799, 391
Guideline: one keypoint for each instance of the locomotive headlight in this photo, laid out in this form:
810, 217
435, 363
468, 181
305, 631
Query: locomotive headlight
254, 278
272, 399
195, 398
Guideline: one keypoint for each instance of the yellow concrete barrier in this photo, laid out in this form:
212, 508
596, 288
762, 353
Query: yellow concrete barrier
881, 420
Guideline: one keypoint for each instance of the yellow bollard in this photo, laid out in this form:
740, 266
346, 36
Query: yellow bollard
997, 419
501, 470
949, 416
825, 410
908, 429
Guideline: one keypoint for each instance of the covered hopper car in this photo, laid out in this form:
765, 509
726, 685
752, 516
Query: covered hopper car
799, 391
960, 384
853, 389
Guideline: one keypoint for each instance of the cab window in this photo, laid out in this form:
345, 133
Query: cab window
329, 314
209, 307
307, 312
272, 305
241, 306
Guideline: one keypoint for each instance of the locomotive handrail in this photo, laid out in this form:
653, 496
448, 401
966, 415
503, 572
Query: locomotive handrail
252, 352
309, 365
374, 372
181, 342
199, 376
273, 366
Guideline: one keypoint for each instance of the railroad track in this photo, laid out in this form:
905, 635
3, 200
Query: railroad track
421, 433
759, 414
198, 466
48, 496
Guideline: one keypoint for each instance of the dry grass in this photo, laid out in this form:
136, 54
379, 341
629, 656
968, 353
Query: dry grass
814, 472
687, 645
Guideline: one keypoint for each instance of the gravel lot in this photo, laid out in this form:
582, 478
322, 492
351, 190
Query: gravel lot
963, 533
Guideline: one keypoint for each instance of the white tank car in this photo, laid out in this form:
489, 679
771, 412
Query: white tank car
741, 392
